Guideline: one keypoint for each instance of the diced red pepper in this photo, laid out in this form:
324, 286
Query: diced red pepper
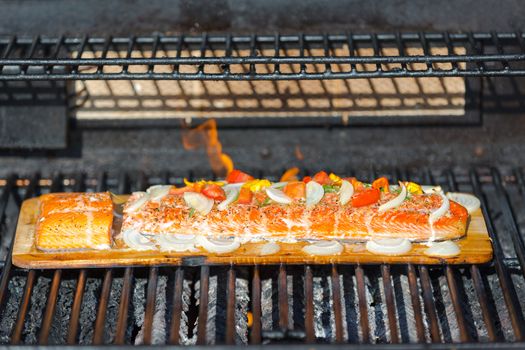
307, 179
367, 197
295, 190
236, 176
322, 178
214, 191
381, 184
245, 196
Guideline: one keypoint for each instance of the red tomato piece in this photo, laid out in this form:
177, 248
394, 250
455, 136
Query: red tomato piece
307, 179
214, 191
245, 196
295, 190
322, 178
367, 197
236, 176
381, 184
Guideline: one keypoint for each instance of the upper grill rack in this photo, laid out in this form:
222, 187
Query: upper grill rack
263, 57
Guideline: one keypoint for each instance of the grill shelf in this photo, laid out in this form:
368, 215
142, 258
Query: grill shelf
324, 304
263, 57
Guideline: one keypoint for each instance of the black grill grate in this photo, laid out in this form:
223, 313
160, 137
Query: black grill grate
263, 57
287, 304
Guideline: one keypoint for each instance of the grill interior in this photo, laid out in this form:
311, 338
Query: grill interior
272, 304
116, 102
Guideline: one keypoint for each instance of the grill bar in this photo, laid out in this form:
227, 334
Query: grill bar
428, 300
416, 304
123, 307
309, 304
98, 334
389, 296
50, 308
150, 304
363, 309
77, 302
338, 312
230, 308
255, 335
452, 286
203, 305
177, 307
283, 298
26, 299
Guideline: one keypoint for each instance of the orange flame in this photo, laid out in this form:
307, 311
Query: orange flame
290, 174
206, 135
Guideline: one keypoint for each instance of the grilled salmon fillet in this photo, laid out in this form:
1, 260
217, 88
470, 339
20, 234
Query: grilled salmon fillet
74, 221
327, 219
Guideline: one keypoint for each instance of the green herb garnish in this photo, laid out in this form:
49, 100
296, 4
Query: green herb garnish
330, 189
267, 201
191, 213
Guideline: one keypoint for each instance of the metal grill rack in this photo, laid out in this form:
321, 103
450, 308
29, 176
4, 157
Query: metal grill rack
263, 57
306, 304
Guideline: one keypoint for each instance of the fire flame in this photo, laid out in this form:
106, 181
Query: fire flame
206, 135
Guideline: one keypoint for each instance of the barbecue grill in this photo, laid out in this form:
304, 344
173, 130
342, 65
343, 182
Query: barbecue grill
437, 104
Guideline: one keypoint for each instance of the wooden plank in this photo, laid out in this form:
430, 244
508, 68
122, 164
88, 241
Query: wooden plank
476, 248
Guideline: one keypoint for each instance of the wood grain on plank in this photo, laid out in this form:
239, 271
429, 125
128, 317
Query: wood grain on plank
476, 248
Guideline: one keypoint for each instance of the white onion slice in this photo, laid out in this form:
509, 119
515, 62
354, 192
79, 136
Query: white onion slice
345, 192
236, 185
279, 184
176, 243
431, 189
443, 249
137, 241
199, 202
442, 210
138, 203
470, 202
278, 196
158, 191
314, 193
323, 248
219, 246
231, 196
395, 202
269, 248
389, 246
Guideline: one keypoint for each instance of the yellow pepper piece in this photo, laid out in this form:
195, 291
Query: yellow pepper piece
201, 183
257, 185
336, 179
413, 188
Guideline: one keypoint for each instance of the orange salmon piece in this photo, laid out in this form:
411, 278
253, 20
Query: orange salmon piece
326, 220
74, 231
74, 221
74, 201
